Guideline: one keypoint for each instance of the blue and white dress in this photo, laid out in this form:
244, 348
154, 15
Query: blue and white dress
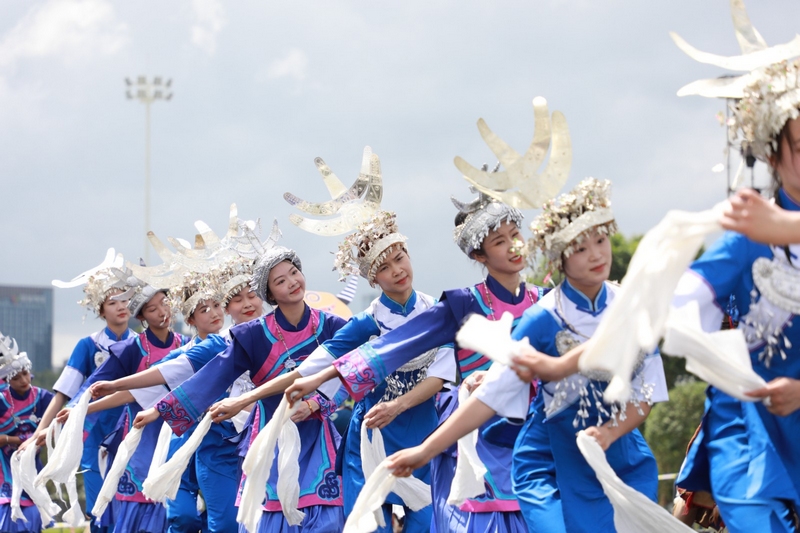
89, 353
748, 458
409, 428
557, 490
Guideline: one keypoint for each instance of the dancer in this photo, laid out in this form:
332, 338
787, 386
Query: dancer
269, 347
100, 288
403, 406
556, 489
21, 409
487, 231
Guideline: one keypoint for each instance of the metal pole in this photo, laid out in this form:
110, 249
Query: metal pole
147, 181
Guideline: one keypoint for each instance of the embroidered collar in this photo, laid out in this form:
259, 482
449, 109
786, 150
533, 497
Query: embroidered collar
400, 309
286, 325
504, 294
582, 302
788, 203
156, 342
113, 336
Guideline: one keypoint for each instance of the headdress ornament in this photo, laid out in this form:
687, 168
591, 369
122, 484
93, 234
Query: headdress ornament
567, 220
351, 206
767, 94
98, 282
12, 361
519, 185
483, 214
363, 252
266, 263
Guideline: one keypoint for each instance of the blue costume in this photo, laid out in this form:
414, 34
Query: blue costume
409, 428
745, 456
268, 347
364, 369
19, 417
133, 512
89, 353
557, 489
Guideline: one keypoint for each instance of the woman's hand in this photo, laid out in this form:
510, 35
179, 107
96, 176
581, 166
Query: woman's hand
102, 388
305, 409
145, 417
302, 387
602, 435
31, 441
475, 380
63, 415
404, 462
752, 215
225, 409
381, 415
783, 395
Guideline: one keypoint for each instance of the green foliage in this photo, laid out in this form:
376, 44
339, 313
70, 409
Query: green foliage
622, 249
671, 426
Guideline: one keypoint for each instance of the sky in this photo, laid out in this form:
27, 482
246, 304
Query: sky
262, 88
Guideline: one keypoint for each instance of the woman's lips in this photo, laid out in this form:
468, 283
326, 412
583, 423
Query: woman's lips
516, 259
598, 268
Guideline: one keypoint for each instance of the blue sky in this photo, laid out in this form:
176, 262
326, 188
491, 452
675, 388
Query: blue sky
261, 88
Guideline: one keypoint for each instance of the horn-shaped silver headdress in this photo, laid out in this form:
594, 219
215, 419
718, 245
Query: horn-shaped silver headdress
98, 282
12, 361
755, 55
520, 185
483, 214
363, 251
351, 206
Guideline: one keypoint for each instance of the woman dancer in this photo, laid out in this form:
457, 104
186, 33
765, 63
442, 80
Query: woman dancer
402, 406
21, 409
269, 347
488, 232
100, 286
745, 453
216, 459
557, 490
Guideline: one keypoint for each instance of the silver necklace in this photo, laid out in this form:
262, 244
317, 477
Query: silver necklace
489, 299
290, 363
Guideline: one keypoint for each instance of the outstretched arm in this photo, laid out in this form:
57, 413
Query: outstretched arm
609, 432
230, 407
469, 416
147, 378
531, 364
761, 220
383, 413
110, 402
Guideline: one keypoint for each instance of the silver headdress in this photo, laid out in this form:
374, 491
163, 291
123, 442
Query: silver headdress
98, 282
768, 93
363, 252
567, 220
519, 185
755, 55
483, 214
139, 293
264, 266
12, 361
352, 206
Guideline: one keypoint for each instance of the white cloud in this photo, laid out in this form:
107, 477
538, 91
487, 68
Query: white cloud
294, 65
209, 20
70, 29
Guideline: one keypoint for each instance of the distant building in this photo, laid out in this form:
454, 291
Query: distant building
26, 313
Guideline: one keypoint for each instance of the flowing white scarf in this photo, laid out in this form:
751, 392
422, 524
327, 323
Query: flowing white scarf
468, 480
257, 465
23, 474
126, 449
633, 511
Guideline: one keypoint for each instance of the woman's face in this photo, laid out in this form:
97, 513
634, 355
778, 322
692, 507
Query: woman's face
208, 317
394, 275
156, 312
501, 250
245, 306
21, 383
286, 284
788, 167
590, 264
115, 312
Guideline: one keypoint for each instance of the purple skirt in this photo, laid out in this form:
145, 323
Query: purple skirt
319, 519
34, 523
136, 517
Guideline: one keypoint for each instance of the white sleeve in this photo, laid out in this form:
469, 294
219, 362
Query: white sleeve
504, 392
692, 287
651, 375
444, 365
176, 371
330, 388
69, 382
149, 396
319, 360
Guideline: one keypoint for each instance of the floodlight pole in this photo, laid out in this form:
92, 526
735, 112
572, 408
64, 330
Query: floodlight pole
147, 92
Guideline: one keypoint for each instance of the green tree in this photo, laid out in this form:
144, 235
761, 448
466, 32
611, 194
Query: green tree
671, 426
622, 249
